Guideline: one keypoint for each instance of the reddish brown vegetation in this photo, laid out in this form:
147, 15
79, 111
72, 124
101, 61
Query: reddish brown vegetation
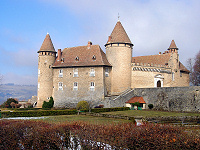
40, 135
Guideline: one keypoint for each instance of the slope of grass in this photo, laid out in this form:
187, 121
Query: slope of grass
150, 113
90, 119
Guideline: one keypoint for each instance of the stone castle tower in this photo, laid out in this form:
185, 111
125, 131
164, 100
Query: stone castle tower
46, 59
119, 54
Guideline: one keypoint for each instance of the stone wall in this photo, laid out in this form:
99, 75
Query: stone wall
68, 97
165, 98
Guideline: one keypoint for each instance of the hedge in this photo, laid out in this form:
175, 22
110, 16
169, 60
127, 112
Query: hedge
98, 110
38, 113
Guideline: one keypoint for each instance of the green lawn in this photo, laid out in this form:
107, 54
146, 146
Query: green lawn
91, 119
150, 113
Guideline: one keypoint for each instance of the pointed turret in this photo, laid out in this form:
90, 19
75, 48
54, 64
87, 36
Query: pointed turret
119, 54
173, 47
118, 35
47, 45
46, 59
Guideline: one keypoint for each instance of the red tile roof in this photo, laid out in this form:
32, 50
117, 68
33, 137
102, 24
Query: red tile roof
47, 45
119, 35
136, 99
161, 59
172, 45
84, 57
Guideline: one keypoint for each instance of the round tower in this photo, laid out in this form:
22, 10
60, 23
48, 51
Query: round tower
119, 54
46, 59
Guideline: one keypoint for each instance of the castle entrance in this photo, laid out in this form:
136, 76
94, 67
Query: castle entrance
159, 83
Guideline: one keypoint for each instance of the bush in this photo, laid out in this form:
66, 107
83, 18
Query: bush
150, 106
7, 104
48, 104
136, 104
82, 105
38, 113
26, 134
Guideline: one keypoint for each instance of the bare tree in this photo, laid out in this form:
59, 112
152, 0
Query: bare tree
190, 63
195, 75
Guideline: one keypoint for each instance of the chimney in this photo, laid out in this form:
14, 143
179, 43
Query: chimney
89, 44
59, 55
109, 39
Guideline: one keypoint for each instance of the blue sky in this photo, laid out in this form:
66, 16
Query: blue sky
150, 24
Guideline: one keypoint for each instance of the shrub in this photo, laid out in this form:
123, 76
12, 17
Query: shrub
136, 104
48, 104
82, 105
150, 106
8, 102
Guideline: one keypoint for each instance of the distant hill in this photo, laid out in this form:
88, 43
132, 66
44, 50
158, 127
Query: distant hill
21, 92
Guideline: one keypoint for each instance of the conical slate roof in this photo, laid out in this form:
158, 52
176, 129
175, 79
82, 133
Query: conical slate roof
47, 45
172, 45
119, 35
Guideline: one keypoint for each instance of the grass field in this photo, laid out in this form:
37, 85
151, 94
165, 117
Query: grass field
90, 119
150, 113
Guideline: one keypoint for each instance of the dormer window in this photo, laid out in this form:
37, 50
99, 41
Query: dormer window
94, 58
62, 60
77, 58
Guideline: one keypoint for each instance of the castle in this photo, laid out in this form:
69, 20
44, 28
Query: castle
87, 73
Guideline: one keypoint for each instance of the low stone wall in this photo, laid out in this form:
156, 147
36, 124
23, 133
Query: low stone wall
165, 98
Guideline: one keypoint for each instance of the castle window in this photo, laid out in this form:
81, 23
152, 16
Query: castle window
60, 73
181, 74
92, 72
94, 58
77, 58
38, 72
75, 72
172, 76
92, 86
106, 72
60, 86
75, 88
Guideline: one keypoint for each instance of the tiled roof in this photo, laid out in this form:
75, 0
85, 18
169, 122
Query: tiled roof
183, 68
47, 45
119, 35
136, 99
83, 56
161, 59
172, 45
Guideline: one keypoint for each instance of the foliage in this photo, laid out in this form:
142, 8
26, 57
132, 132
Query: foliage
7, 104
38, 113
136, 104
150, 106
195, 75
98, 110
82, 105
48, 104
40, 135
